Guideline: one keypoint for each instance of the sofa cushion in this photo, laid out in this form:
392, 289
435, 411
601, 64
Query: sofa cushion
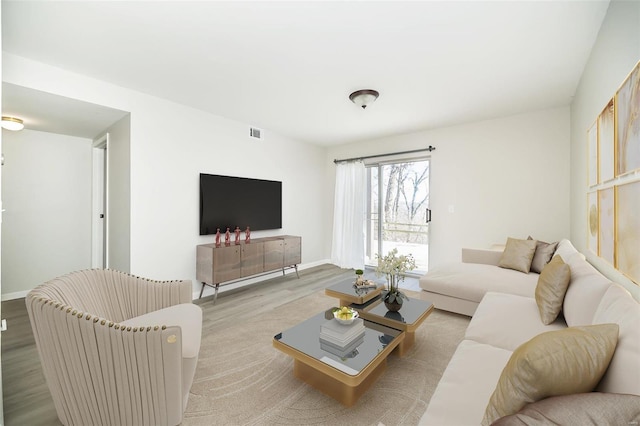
586, 288
551, 364
466, 385
518, 255
516, 318
470, 281
552, 285
187, 316
585, 409
623, 375
543, 254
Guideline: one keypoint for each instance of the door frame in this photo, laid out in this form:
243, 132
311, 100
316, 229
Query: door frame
100, 203
379, 165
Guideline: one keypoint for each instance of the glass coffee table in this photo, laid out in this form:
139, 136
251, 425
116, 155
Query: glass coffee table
407, 319
348, 293
344, 377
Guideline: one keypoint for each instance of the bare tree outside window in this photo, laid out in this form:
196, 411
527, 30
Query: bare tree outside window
405, 188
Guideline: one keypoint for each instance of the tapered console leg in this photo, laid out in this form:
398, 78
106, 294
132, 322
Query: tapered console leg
215, 295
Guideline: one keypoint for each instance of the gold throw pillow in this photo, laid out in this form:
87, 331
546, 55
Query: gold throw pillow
518, 255
554, 363
552, 286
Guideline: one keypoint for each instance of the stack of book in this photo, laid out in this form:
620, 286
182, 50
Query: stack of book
341, 340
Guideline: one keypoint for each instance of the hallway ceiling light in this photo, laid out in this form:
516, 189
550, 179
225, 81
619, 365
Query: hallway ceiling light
363, 98
12, 123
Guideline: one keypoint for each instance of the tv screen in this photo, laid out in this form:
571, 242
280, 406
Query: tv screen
227, 202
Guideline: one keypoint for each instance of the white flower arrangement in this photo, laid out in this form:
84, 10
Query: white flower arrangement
394, 266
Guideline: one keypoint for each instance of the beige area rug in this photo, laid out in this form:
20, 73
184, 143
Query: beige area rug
242, 380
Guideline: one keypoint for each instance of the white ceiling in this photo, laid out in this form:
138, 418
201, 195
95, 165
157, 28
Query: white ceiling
46, 112
289, 67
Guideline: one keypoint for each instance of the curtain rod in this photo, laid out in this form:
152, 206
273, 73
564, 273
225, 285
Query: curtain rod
346, 160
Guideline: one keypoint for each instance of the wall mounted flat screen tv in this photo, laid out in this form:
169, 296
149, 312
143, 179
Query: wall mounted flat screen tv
227, 202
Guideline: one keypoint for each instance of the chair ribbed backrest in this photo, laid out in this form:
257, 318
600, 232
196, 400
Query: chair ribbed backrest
111, 294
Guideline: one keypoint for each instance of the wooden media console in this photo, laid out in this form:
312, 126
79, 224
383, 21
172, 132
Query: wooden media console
222, 265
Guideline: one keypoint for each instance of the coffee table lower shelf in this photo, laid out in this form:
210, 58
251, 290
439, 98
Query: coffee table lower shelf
342, 392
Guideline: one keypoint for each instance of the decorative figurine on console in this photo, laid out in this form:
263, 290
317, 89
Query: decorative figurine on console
217, 237
237, 235
247, 235
227, 238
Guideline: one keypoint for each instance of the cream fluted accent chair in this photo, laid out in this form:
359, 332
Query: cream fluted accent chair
116, 349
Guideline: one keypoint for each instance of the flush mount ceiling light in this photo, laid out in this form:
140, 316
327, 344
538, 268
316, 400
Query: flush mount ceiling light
363, 98
12, 123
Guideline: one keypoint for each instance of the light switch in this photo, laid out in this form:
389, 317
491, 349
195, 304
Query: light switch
451, 208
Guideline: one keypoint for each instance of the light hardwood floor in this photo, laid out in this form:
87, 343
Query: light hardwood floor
26, 397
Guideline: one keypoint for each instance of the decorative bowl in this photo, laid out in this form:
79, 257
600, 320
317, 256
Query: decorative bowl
353, 314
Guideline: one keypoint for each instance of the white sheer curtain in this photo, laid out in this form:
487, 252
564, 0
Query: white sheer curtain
347, 250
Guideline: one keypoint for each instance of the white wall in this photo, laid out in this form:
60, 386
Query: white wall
504, 177
46, 190
167, 179
616, 51
166, 161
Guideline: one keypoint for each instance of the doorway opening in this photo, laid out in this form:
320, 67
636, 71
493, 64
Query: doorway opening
398, 213
100, 200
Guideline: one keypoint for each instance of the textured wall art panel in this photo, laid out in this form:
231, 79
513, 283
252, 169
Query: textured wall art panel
628, 229
606, 222
592, 221
592, 140
628, 124
605, 143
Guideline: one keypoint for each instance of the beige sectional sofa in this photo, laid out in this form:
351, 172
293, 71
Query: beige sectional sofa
505, 315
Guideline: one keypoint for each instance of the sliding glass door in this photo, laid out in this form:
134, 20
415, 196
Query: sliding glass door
398, 213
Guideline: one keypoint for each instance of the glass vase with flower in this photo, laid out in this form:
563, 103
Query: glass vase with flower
394, 267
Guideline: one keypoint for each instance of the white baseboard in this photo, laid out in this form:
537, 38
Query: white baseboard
16, 295
314, 264
209, 291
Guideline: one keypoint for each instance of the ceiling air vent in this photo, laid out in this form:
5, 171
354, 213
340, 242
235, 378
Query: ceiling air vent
256, 133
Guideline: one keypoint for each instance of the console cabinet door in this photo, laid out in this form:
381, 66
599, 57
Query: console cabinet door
292, 251
226, 263
204, 263
252, 259
273, 255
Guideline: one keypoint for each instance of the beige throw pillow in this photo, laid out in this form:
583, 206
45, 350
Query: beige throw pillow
554, 363
518, 254
542, 256
552, 286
